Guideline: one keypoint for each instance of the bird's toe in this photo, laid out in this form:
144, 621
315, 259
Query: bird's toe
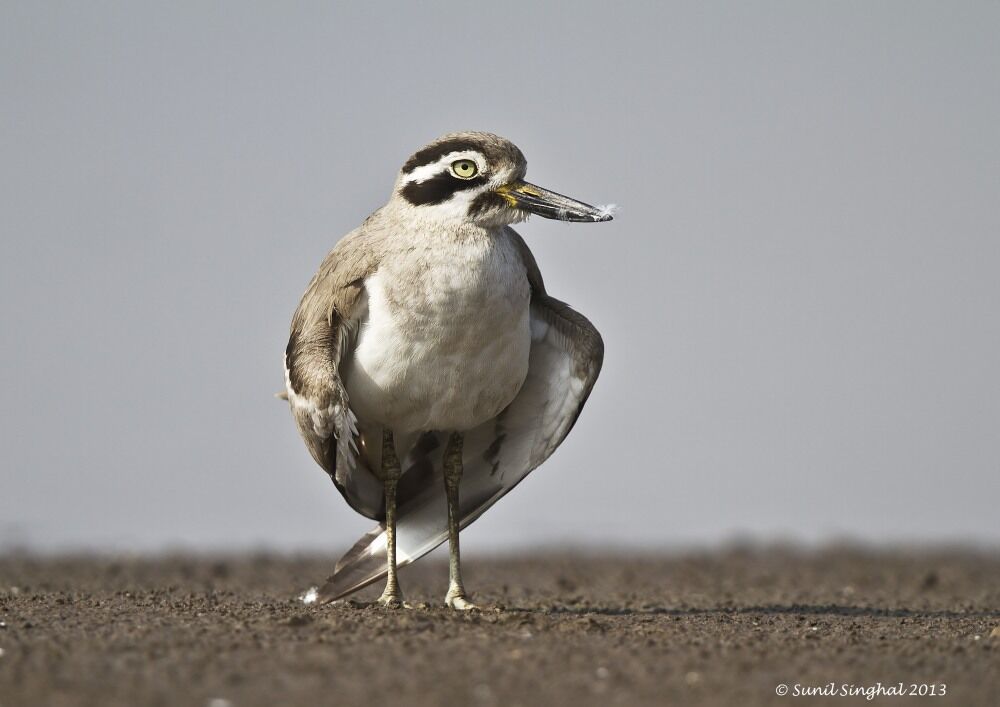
459, 601
393, 600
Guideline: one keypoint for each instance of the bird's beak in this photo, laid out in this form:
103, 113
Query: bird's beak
536, 200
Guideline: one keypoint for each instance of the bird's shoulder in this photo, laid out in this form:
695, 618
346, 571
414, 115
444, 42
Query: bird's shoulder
529, 262
326, 317
338, 283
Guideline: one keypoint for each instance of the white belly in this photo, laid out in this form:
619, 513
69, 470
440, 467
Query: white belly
446, 340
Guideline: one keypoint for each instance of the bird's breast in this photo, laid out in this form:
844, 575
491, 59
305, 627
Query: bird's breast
446, 339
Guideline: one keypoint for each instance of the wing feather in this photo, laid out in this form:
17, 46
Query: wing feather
322, 331
565, 360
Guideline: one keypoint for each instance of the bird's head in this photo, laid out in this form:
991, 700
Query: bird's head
479, 178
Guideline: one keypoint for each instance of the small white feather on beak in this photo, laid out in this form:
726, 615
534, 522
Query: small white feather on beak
607, 210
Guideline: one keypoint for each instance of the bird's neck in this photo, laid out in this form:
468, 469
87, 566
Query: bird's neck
418, 227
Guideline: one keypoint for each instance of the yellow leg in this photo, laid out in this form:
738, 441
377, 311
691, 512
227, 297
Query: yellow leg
456, 597
391, 472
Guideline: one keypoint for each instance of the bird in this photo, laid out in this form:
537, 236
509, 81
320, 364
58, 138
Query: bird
427, 369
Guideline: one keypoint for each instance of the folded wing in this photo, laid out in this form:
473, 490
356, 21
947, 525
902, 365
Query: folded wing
565, 360
322, 333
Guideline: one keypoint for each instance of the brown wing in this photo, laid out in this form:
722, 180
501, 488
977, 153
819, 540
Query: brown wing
322, 330
565, 360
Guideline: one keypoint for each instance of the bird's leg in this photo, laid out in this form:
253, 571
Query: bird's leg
456, 597
391, 472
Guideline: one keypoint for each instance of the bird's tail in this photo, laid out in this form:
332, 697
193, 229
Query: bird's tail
359, 567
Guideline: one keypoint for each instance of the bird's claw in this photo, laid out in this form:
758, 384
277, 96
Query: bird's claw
393, 600
459, 601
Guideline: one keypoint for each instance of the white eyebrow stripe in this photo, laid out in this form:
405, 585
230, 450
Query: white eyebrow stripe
425, 172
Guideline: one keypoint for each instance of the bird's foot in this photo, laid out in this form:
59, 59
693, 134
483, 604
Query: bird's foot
393, 600
457, 599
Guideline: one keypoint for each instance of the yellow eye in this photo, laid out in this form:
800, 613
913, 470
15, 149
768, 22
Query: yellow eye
464, 169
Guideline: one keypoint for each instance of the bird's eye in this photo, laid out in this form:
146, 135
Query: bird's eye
464, 169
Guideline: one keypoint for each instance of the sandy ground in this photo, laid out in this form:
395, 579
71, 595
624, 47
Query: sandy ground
721, 628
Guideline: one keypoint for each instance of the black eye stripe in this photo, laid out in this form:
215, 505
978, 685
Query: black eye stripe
430, 155
438, 188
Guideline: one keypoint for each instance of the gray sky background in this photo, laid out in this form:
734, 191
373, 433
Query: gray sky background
799, 297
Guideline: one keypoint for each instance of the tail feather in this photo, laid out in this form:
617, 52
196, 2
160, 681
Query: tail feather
359, 567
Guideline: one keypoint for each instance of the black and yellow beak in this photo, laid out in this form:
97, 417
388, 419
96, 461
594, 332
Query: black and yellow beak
536, 200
